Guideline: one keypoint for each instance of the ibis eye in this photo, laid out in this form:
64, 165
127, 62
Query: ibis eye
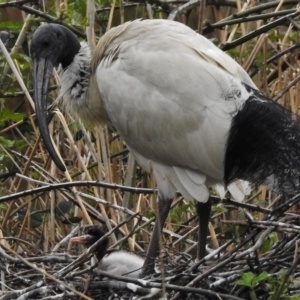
45, 44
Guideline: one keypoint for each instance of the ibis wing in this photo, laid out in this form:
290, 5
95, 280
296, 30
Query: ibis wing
172, 105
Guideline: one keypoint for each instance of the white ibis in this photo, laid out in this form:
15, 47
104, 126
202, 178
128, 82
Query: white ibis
186, 110
119, 263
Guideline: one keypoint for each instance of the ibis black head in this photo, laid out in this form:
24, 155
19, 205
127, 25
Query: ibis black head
52, 44
92, 235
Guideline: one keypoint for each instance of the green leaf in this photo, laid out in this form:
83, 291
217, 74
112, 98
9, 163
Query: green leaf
6, 143
261, 277
8, 115
21, 57
3, 207
251, 280
15, 26
271, 239
36, 218
246, 280
219, 208
63, 207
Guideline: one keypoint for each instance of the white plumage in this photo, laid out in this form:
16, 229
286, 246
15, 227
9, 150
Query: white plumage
186, 110
187, 159
120, 263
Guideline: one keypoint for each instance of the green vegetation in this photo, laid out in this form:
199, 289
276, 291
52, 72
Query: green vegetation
34, 217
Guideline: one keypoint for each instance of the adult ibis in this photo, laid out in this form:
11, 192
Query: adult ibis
186, 110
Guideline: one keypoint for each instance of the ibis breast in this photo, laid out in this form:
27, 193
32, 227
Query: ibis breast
172, 95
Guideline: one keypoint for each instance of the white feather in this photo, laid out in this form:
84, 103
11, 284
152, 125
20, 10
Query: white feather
69, 90
147, 115
171, 94
121, 263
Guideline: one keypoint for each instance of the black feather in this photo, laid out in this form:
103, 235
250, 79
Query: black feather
264, 140
93, 235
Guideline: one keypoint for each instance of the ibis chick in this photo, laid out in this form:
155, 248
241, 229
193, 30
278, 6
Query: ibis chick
187, 111
119, 263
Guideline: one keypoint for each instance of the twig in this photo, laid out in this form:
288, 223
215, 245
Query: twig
286, 89
57, 186
183, 289
258, 31
16, 3
49, 18
42, 271
65, 240
210, 27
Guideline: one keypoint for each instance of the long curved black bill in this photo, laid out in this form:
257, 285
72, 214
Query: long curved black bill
42, 72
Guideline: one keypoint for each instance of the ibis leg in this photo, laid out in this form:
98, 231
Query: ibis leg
163, 211
203, 211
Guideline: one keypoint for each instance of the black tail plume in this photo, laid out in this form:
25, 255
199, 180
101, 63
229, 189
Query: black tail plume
263, 146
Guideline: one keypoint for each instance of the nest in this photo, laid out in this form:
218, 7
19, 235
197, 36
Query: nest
244, 267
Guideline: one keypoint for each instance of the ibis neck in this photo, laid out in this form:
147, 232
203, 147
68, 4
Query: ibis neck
75, 77
71, 54
102, 249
